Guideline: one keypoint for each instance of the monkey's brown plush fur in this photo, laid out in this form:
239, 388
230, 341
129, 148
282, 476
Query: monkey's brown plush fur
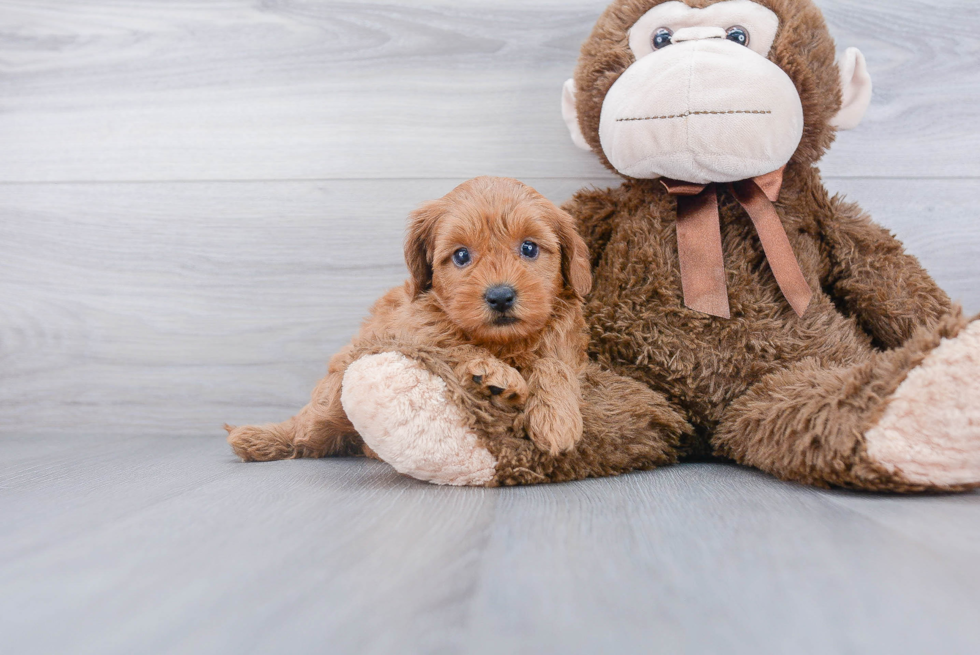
760, 387
795, 396
792, 396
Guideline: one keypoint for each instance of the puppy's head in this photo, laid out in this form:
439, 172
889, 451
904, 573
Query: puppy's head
496, 254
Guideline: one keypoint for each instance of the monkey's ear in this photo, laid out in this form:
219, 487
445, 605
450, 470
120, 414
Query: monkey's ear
855, 90
570, 113
576, 269
418, 245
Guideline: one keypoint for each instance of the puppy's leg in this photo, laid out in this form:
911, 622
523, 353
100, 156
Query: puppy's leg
554, 419
320, 429
491, 377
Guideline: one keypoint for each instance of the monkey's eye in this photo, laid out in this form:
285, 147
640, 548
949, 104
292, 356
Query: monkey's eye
461, 257
529, 250
738, 34
661, 38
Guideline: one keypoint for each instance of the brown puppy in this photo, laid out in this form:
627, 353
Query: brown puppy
498, 276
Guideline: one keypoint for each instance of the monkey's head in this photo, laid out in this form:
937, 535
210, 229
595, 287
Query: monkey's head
712, 90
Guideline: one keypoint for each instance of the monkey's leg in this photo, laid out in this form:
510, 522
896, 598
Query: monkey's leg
626, 426
320, 429
904, 420
422, 424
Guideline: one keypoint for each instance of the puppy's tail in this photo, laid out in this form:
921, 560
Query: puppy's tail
261, 443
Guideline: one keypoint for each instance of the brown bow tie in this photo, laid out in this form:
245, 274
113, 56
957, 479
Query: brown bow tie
699, 242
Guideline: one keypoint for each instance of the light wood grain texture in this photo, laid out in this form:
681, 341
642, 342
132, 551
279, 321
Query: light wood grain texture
169, 545
175, 307
144, 90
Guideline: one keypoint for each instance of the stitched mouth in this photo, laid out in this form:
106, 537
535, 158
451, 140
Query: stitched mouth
693, 113
506, 320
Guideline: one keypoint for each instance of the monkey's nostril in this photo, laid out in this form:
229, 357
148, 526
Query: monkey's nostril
500, 297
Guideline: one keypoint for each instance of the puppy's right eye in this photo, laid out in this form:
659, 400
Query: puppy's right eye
461, 257
529, 250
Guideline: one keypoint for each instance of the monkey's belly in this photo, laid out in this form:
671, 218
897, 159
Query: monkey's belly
703, 363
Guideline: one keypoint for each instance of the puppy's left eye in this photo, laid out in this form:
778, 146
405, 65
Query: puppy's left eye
461, 257
529, 250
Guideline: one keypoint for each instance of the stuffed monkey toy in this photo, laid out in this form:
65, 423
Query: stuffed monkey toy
768, 322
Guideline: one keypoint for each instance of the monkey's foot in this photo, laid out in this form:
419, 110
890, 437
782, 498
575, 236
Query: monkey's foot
402, 412
930, 431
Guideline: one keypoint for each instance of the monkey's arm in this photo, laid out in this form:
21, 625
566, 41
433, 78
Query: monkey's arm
872, 276
408, 404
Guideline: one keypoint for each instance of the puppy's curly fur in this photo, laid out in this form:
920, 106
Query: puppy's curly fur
487, 233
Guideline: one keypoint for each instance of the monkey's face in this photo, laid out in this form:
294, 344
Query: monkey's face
700, 100
702, 103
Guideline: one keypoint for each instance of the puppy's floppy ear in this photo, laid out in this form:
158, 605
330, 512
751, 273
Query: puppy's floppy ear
418, 244
576, 268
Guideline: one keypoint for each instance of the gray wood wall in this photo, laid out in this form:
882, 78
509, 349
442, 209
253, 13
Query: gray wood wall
199, 200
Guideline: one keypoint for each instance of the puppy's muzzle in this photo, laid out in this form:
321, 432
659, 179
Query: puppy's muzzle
500, 298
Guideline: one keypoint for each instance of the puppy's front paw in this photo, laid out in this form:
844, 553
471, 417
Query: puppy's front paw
491, 377
554, 429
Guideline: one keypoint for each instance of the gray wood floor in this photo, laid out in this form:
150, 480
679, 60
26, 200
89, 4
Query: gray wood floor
199, 200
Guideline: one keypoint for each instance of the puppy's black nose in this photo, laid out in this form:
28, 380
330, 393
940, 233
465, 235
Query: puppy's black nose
501, 297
